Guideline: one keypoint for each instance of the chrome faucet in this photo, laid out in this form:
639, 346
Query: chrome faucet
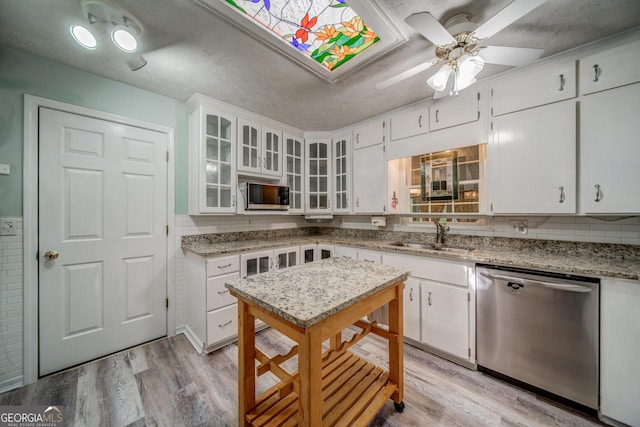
440, 230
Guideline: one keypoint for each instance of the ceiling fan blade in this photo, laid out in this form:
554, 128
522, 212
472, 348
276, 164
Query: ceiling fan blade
406, 74
428, 26
511, 13
514, 56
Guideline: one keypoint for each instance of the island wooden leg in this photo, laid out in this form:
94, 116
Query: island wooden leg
396, 351
310, 376
246, 362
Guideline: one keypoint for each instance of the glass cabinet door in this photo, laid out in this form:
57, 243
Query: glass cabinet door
293, 172
250, 156
271, 156
219, 162
342, 188
318, 174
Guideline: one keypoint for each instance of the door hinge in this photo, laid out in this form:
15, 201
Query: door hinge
491, 207
167, 156
384, 149
167, 230
492, 115
37, 256
166, 301
492, 122
468, 296
384, 124
478, 114
469, 351
492, 92
478, 96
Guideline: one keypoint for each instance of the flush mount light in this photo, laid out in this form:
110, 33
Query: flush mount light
83, 37
124, 39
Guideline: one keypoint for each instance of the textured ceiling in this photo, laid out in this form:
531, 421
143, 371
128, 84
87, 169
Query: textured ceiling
190, 49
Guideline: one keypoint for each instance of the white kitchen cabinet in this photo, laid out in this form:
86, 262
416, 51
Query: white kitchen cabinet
294, 173
286, 257
369, 180
445, 318
610, 68
259, 149
412, 309
211, 310
342, 174
325, 251
454, 110
369, 256
318, 176
619, 349
411, 122
531, 161
609, 151
368, 133
212, 162
309, 253
533, 88
446, 299
256, 263
345, 252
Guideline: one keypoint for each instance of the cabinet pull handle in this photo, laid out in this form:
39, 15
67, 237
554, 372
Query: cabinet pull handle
368, 260
562, 82
328, 203
259, 162
429, 299
420, 121
224, 324
224, 266
596, 73
411, 294
358, 202
437, 111
561, 194
223, 292
598, 193
233, 201
357, 138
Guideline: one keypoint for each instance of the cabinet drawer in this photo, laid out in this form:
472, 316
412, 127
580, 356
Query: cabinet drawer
611, 68
369, 256
222, 324
444, 271
409, 123
223, 265
454, 111
217, 295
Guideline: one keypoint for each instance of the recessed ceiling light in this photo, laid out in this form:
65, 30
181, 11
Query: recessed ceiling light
83, 36
124, 39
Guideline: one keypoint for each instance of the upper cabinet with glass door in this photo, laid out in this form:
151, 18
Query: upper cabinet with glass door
293, 171
342, 174
212, 172
318, 173
259, 149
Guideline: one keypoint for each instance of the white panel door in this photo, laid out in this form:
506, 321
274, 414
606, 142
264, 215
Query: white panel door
103, 210
369, 180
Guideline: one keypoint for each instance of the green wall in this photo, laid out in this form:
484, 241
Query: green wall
22, 73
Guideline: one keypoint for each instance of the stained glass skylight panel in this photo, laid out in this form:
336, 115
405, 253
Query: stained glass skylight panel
327, 31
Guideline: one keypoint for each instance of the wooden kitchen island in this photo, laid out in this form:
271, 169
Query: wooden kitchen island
310, 304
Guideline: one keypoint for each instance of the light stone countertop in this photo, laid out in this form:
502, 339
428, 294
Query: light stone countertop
532, 256
308, 293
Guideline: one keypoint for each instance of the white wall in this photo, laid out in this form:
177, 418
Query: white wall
11, 361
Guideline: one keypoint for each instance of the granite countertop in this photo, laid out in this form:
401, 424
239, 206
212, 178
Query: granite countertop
536, 255
308, 293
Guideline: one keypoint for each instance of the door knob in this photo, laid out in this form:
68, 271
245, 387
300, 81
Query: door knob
51, 255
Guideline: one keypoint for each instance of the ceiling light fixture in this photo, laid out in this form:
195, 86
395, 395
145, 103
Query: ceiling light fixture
105, 17
83, 37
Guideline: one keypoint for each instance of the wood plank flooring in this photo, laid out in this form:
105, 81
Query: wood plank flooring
167, 383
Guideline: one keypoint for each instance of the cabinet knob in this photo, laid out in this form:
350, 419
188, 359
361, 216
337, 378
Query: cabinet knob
561, 194
598, 193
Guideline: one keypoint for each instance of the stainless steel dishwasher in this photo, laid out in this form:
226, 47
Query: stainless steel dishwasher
541, 330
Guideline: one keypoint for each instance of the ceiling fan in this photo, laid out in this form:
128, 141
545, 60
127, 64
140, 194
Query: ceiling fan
463, 52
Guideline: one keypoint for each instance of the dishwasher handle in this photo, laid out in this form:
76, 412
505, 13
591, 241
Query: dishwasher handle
523, 281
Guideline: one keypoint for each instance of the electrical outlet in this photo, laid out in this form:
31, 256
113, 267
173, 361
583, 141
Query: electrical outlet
7, 227
520, 225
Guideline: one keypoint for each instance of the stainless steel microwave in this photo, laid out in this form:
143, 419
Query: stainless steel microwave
265, 197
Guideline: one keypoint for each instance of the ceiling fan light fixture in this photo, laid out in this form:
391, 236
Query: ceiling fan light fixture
438, 81
124, 39
83, 37
468, 69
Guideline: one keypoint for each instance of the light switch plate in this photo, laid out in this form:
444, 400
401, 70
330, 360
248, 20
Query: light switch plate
7, 227
5, 169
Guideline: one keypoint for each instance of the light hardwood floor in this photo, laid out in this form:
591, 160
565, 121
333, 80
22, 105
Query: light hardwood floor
167, 383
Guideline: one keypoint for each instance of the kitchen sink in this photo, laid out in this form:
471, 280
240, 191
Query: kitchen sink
433, 247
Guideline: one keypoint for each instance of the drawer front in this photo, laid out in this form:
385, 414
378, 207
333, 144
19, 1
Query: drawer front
369, 256
217, 294
611, 68
443, 271
222, 324
223, 265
